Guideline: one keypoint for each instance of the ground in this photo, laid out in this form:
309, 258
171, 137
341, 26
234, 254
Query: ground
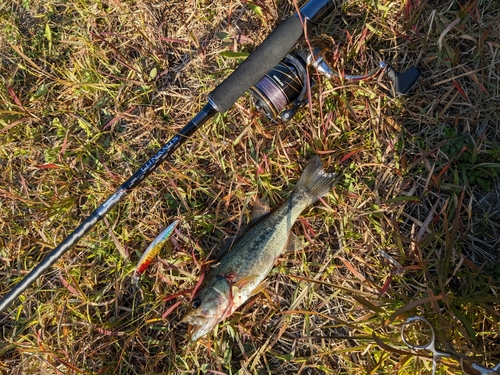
91, 90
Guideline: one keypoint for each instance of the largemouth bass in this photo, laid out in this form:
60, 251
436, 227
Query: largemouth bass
240, 272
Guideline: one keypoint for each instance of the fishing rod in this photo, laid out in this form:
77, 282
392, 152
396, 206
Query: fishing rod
266, 56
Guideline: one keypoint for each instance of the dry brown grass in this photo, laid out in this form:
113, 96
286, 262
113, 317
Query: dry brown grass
92, 89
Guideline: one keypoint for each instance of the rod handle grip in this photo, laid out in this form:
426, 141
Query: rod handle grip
265, 57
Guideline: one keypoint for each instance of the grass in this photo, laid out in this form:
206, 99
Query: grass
90, 90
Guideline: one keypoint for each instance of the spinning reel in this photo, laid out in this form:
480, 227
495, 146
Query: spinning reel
286, 84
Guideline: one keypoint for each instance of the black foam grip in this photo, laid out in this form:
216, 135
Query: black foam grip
261, 60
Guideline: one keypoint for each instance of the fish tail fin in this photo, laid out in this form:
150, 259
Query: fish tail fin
314, 180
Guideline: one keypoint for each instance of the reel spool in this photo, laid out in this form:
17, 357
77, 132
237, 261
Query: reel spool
286, 84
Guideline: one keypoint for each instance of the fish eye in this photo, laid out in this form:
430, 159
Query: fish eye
196, 303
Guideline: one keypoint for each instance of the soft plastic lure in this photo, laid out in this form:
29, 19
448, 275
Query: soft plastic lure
153, 250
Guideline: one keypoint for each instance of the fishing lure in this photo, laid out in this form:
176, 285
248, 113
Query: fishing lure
152, 250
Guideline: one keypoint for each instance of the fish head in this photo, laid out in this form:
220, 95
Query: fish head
209, 306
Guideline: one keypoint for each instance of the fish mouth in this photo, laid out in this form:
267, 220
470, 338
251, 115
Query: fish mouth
193, 319
198, 332
200, 325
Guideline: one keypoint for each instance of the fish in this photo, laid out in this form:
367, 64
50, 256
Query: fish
241, 271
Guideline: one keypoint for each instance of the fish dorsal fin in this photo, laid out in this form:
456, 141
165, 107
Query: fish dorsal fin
260, 209
223, 248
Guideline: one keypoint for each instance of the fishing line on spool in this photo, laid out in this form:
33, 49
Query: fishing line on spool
281, 86
272, 93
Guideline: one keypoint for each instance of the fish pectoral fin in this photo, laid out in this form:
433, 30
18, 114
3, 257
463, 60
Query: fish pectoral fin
248, 279
293, 244
244, 281
260, 209
259, 288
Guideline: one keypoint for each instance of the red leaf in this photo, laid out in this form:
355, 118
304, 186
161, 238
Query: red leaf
386, 285
351, 268
172, 308
15, 97
408, 6
349, 154
173, 40
461, 92
68, 286
49, 166
63, 148
202, 276
117, 118
172, 296
308, 230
